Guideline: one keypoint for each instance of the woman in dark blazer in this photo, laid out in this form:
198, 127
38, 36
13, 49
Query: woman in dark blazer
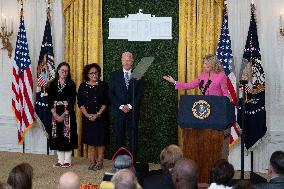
93, 101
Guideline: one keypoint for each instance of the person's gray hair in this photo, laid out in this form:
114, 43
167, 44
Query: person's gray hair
129, 54
122, 162
124, 179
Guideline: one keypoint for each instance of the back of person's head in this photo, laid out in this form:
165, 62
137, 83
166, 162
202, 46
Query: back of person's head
69, 180
185, 174
5, 186
243, 184
122, 161
169, 156
277, 163
124, 179
222, 172
20, 177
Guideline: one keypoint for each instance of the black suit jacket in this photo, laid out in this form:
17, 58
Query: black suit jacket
158, 180
119, 94
275, 183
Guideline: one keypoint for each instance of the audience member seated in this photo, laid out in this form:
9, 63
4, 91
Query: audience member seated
125, 179
244, 184
123, 159
69, 180
5, 186
20, 177
121, 162
185, 174
276, 171
162, 178
221, 173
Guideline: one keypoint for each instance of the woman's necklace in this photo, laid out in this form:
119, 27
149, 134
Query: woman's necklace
60, 87
92, 85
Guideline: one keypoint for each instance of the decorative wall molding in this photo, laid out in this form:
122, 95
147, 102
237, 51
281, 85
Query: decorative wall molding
8, 120
35, 139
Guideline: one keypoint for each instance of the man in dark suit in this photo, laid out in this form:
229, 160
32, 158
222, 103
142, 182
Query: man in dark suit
276, 170
125, 95
162, 178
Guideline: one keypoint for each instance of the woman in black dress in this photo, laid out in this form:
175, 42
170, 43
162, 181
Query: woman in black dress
61, 100
92, 101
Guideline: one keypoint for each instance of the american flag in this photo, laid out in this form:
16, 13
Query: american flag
22, 84
224, 55
45, 73
42, 80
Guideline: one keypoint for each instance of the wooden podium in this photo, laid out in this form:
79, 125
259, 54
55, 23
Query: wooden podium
203, 120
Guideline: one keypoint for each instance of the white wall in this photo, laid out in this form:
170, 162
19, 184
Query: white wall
35, 18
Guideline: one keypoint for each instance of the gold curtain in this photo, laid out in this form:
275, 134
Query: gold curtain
199, 30
83, 43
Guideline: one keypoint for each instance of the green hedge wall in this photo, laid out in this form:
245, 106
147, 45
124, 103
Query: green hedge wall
158, 124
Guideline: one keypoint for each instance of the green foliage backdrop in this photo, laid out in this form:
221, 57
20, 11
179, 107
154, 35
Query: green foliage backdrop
157, 126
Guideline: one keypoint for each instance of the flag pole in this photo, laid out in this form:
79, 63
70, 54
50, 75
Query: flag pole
21, 14
23, 147
22, 101
48, 17
48, 9
255, 178
45, 73
22, 6
253, 54
251, 162
243, 83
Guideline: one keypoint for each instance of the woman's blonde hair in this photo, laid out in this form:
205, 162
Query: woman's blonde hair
169, 156
216, 65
